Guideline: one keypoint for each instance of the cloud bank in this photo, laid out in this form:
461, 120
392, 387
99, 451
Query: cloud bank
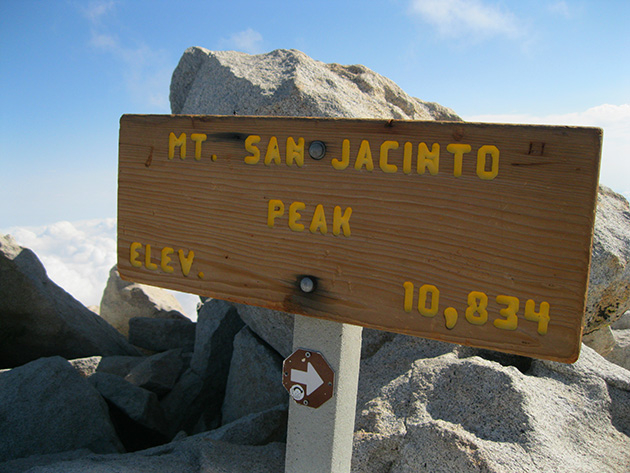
78, 256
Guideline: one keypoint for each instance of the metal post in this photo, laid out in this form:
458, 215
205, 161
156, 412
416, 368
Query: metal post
320, 440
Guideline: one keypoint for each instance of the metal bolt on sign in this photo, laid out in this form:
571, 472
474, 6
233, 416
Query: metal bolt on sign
307, 284
317, 149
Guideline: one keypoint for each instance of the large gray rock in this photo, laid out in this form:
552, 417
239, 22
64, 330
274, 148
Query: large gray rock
273, 326
217, 324
425, 406
259, 428
276, 329
372, 341
609, 281
119, 365
138, 403
136, 412
158, 373
162, 334
123, 300
289, 83
254, 383
620, 354
87, 366
194, 403
191, 455
30, 462
622, 323
38, 318
601, 340
46, 406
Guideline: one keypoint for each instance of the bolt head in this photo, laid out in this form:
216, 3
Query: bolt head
317, 149
307, 284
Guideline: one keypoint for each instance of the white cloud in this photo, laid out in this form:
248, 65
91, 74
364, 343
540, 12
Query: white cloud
458, 18
615, 121
247, 41
146, 72
96, 9
104, 42
560, 8
78, 256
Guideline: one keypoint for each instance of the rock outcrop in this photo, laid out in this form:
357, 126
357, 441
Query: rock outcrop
428, 406
609, 282
252, 384
195, 454
194, 404
126, 404
161, 334
620, 351
123, 300
135, 412
289, 83
40, 319
47, 407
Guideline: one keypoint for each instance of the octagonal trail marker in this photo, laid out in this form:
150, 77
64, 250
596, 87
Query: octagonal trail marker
308, 378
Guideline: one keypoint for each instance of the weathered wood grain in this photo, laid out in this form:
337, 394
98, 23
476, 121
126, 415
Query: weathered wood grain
525, 233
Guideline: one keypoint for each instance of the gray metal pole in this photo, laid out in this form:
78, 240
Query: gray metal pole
320, 440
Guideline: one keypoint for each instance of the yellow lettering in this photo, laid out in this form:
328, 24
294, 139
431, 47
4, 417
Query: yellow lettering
318, 224
542, 317
483, 152
345, 157
295, 151
407, 158
477, 304
511, 320
273, 153
384, 165
174, 141
408, 300
275, 209
458, 150
364, 157
133, 254
429, 159
422, 300
198, 138
294, 216
450, 317
165, 260
147, 258
186, 261
341, 222
250, 145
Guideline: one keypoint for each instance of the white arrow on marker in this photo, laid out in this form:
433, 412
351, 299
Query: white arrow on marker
310, 378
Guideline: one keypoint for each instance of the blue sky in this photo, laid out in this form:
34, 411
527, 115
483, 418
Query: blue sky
69, 69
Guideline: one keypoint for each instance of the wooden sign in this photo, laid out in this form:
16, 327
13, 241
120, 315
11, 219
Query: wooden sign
470, 233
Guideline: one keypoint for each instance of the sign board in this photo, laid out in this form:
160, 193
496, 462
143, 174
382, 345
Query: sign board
469, 233
308, 378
